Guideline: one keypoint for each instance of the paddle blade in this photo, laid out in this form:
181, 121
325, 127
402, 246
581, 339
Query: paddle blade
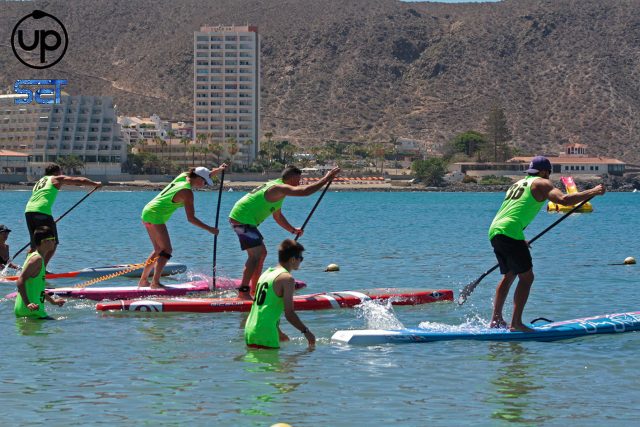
467, 290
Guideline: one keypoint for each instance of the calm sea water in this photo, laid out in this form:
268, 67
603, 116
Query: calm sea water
145, 369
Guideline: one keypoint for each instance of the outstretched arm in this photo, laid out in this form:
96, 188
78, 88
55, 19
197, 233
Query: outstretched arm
284, 223
186, 196
61, 180
216, 171
278, 192
544, 189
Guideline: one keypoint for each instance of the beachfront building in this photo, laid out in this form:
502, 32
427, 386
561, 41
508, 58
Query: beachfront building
83, 126
564, 165
169, 141
13, 166
226, 90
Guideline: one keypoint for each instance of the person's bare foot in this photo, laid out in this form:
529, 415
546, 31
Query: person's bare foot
144, 284
245, 296
156, 286
520, 328
498, 324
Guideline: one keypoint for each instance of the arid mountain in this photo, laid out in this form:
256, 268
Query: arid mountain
564, 70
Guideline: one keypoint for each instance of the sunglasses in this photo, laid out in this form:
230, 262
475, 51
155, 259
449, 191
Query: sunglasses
48, 238
300, 257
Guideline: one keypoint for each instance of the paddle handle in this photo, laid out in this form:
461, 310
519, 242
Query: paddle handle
215, 237
306, 221
59, 218
467, 290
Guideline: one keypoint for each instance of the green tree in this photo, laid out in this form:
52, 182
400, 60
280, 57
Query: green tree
498, 133
216, 149
469, 142
72, 164
430, 171
247, 143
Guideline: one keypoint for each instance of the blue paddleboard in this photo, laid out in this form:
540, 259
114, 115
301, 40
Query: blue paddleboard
605, 324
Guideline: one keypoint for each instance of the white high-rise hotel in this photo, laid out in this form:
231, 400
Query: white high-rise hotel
226, 85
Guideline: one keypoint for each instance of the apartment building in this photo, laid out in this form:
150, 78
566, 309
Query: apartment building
84, 126
226, 86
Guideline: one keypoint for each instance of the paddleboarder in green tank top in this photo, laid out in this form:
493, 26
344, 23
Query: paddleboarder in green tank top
157, 212
31, 285
522, 203
253, 208
38, 211
274, 295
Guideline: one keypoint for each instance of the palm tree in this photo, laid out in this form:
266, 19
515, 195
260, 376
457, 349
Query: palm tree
201, 138
170, 134
216, 149
247, 143
232, 148
192, 149
158, 141
185, 142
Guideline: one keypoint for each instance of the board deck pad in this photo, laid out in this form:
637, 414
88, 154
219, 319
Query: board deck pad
172, 268
319, 301
604, 324
100, 293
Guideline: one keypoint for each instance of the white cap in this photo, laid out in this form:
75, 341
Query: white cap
204, 173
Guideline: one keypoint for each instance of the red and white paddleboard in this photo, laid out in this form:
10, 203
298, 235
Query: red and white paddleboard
320, 301
128, 292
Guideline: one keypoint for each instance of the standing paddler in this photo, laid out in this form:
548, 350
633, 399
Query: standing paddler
253, 208
274, 295
522, 203
158, 211
38, 212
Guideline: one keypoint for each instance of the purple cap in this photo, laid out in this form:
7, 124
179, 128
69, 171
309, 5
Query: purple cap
539, 163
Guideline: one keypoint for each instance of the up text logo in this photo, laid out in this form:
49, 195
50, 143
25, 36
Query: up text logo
39, 40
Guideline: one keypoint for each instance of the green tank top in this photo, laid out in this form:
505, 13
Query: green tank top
262, 325
253, 207
518, 209
42, 197
35, 293
161, 207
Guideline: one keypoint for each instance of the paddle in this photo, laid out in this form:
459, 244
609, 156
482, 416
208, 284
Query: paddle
215, 237
467, 290
132, 267
314, 208
59, 218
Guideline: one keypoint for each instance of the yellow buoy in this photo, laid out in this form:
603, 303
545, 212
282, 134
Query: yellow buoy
629, 260
332, 267
281, 425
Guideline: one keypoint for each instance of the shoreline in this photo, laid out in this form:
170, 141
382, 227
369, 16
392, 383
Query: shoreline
383, 187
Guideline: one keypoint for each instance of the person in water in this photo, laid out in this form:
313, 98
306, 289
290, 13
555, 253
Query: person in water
158, 211
38, 211
5, 258
274, 295
31, 285
254, 207
523, 201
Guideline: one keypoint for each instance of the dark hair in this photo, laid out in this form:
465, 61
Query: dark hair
52, 168
41, 233
192, 173
289, 249
290, 171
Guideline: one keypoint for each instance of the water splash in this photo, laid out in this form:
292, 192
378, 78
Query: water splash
378, 315
474, 324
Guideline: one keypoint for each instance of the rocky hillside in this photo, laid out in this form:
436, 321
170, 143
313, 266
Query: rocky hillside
371, 69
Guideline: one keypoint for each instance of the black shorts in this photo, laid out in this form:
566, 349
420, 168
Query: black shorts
513, 255
37, 219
